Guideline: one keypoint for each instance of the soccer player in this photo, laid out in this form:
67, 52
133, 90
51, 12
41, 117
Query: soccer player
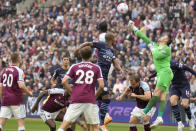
83, 97
180, 87
141, 92
102, 27
52, 109
60, 72
161, 58
106, 57
12, 87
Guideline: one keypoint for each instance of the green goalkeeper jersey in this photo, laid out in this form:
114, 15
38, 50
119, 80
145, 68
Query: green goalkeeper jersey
161, 54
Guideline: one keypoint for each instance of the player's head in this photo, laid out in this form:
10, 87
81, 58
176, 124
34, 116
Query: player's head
110, 39
165, 38
15, 58
65, 59
86, 53
102, 27
135, 81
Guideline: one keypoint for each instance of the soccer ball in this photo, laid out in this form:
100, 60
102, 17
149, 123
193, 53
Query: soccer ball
122, 8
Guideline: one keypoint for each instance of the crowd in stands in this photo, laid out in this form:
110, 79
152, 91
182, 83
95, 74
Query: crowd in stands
43, 36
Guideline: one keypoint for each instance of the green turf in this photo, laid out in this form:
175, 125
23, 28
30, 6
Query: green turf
38, 125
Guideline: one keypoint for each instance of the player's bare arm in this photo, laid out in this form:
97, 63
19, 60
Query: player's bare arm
41, 95
1, 90
66, 84
23, 87
100, 89
145, 97
125, 93
81, 46
117, 66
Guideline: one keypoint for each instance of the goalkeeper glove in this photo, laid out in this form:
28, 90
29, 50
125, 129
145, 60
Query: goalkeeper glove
132, 26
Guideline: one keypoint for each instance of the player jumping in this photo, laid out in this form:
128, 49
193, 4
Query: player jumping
141, 91
102, 27
161, 58
11, 88
180, 87
106, 57
83, 97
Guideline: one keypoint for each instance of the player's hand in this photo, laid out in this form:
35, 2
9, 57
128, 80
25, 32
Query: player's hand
119, 98
35, 107
133, 95
131, 25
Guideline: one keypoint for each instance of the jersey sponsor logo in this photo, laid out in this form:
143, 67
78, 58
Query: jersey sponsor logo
59, 103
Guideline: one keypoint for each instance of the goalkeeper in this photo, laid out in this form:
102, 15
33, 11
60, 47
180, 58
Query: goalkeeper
161, 57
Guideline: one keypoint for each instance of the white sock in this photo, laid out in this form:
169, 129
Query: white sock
1, 127
60, 129
21, 128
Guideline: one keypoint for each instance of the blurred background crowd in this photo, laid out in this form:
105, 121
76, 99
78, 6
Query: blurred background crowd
43, 35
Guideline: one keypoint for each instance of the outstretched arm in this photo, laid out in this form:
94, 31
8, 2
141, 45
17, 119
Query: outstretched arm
139, 33
117, 66
41, 95
185, 67
83, 45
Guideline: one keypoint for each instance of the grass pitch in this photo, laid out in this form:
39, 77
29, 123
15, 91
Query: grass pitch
38, 125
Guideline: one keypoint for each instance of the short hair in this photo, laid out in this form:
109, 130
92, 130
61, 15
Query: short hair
102, 26
135, 77
67, 55
15, 57
86, 52
109, 36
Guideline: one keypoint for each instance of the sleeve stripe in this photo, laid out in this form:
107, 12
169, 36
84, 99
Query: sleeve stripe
99, 78
70, 69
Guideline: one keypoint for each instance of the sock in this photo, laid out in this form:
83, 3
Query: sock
133, 127
60, 129
0, 127
162, 106
151, 103
147, 127
21, 128
176, 112
108, 119
69, 129
103, 110
188, 113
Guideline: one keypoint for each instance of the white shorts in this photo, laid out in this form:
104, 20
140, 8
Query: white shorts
18, 112
47, 115
150, 113
90, 111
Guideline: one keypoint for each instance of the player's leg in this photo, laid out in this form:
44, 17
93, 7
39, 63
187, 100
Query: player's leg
19, 113
51, 124
175, 94
162, 106
185, 103
91, 115
162, 87
108, 119
105, 97
4, 115
147, 118
104, 109
132, 123
72, 113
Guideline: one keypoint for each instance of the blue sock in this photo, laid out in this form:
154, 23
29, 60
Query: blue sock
176, 112
188, 112
103, 110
